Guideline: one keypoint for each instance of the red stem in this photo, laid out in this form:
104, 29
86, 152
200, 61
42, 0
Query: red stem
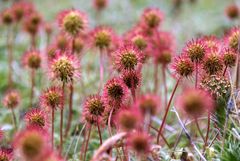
225, 70
99, 133
208, 129
14, 119
196, 76
133, 90
32, 87
69, 123
165, 86
101, 69
168, 107
61, 121
199, 130
156, 78
52, 129
86, 145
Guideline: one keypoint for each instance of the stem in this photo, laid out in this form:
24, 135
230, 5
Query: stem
168, 107
225, 70
164, 139
99, 133
196, 76
61, 121
86, 145
101, 69
32, 87
69, 123
237, 71
52, 129
133, 90
208, 129
109, 122
33, 41
155, 90
10, 57
165, 86
199, 130
14, 119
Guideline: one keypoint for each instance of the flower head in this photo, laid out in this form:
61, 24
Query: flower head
72, 22
148, 104
232, 11
131, 78
7, 17
102, 37
32, 23
37, 118
51, 98
78, 45
127, 58
232, 39
11, 99
115, 91
139, 142
31, 144
151, 17
229, 57
195, 102
32, 59
64, 67
128, 119
212, 63
21, 9
217, 85
61, 42
211, 43
183, 66
195, 50
100, 4
5, 155
93, 109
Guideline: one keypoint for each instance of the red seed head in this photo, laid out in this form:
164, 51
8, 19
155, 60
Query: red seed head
232, 39
93, 109
62, 43
139, 142
100, 4
7, 17
131, 78
229, 57
232, 11
51, 98
211, 43
127, 58
21, 9
148, 104
5, 155
183, 66
102, 37
115, 92
64, 67
212, 63
195, 50
11, 99
32, 23
36, 117
78, 45
128, 119
72, 22
195, 102
31, 144
32, 59
152, 18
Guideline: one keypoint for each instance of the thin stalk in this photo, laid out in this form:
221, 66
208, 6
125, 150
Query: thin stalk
164, 139
165, 86
33, 42
208, 129
155, 90
225, 70
87, 141
109, 122
167, 109
10, 57
69, 123
196, 76
32, 86
199, 130
99, 133
61, 121
52, 129
101, 69
133, 90
14, 119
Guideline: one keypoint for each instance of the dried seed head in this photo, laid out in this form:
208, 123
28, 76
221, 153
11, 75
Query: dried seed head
32, 59
195, 50
229, 57
11, 99
232, 11
212, 63
183, 66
